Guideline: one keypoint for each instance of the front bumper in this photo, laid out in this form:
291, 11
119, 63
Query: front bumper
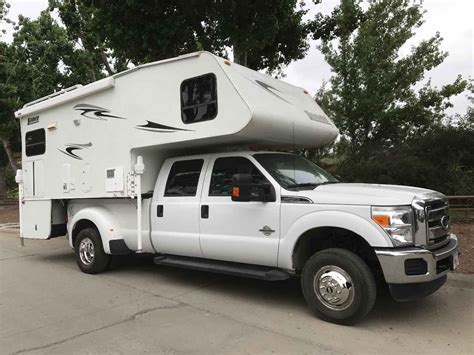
432, 264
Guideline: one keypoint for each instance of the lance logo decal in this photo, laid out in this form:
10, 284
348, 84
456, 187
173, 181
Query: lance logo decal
71, 147
95, 112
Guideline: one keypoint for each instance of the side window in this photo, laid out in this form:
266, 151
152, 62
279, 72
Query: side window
35, 142
199, 98
225, 168
183, 178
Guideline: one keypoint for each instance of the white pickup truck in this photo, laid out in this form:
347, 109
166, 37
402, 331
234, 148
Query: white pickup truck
136, 162
272, 216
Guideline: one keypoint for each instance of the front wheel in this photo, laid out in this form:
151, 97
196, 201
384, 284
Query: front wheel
89, 252
338, 286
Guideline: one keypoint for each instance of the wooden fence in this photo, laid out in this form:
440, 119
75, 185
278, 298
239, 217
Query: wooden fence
461, 208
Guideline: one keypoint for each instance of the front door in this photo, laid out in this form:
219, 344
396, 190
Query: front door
245, 232
175, 206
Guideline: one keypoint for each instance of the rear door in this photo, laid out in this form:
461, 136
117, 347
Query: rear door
33, 170
175, 206
245, 232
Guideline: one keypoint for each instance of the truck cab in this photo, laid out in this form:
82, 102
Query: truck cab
274, 215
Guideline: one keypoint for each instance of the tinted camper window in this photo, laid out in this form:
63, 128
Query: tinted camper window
183, 178
35, 142
199, 98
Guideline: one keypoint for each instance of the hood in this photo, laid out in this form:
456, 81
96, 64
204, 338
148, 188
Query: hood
364, 194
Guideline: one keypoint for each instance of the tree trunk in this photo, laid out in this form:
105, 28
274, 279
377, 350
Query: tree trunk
240, 56
8, 149
103, 56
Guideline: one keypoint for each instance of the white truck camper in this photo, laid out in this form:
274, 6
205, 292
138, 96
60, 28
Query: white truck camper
180, 158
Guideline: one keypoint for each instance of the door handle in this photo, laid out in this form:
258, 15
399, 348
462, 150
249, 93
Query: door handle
204, 211
159, 211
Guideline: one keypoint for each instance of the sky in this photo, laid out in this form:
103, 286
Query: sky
452, 18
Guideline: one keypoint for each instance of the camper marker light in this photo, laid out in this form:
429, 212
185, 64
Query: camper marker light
226, 62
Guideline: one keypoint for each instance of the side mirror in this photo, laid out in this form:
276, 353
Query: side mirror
244, 191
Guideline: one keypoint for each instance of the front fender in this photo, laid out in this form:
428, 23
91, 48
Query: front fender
105, 221
370, 231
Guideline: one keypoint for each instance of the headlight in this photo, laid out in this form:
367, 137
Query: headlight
397, 222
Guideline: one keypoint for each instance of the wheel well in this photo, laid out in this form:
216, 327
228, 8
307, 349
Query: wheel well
80, 225
321, 238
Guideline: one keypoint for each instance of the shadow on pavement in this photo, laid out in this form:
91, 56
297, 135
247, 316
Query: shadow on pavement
281, 295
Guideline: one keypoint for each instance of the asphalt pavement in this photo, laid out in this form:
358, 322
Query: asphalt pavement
47, 306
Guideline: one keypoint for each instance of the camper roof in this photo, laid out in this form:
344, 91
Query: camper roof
77, 91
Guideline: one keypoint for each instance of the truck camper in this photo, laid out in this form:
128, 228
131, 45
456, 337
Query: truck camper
181, 158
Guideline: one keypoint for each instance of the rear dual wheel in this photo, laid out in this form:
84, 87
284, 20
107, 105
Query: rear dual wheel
89, 252
338, 286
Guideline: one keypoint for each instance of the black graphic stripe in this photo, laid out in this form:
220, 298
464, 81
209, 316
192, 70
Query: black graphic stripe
71, 147
268, 87
95, 112
158, 127
69, 152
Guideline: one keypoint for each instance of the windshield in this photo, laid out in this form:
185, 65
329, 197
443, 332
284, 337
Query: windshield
293, 171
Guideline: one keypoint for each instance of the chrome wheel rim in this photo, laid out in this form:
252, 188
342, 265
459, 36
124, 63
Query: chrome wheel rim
86, 251
334, 288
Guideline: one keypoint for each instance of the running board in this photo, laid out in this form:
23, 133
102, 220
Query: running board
223, 267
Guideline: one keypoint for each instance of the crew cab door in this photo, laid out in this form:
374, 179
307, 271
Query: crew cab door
175, 206
246, 232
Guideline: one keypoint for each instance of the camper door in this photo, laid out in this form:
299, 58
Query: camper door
36, 212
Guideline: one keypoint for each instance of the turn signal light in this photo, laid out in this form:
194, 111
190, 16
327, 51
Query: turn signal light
235, 191
382, 220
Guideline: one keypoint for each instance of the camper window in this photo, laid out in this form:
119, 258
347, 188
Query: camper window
183, 178
225, 168
35, 142
199, 98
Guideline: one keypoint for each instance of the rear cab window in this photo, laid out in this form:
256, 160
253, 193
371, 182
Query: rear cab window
183, 178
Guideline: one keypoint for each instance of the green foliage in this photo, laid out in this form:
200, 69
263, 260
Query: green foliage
373, 96
441, 160
41, 60
264, 34
393, 127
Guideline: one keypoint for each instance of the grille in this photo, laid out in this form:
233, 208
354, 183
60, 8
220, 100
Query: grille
436, 211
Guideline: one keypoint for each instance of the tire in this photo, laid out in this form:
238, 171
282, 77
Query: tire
357, 294
88, 240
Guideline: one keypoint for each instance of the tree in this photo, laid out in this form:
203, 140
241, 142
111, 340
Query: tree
374, 95
263, 34
40, 60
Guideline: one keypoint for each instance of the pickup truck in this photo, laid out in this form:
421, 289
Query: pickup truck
272, 216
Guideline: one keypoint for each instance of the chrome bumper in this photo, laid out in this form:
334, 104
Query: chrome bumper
393, 263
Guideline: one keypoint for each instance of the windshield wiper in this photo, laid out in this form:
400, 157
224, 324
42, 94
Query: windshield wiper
329, 182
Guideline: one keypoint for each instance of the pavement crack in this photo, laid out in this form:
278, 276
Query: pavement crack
322, 347
18, 257
209, 284
130, 318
